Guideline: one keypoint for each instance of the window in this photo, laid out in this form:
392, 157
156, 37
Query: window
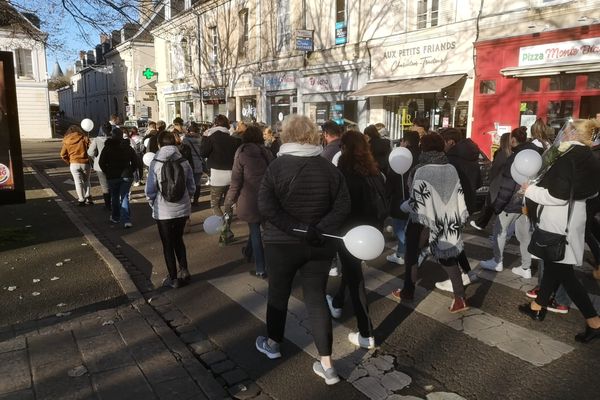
593, 80
24, 63
187, 56
487, 87
528, 108
284, 34
562, 82
214, 43
243, 32
427, 13
530, 85
340, 10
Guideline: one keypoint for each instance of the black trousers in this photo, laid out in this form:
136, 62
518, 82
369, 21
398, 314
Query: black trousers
414, 244
556, 274
353, 279
283, 262
171, 236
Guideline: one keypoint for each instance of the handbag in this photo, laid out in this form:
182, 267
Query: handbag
550, 246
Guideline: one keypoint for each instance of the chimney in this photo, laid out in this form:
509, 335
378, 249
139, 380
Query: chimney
99, 54
82, 58
91, 60
146, 10
115, 38
104, 38
77, 66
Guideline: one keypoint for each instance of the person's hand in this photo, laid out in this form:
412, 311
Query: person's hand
524, 186
314, 237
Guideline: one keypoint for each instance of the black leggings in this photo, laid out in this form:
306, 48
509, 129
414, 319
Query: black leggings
414, 243
556, 274
171, 236
283, 262
353, 279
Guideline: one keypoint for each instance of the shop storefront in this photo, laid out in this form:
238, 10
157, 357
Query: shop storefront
326, 97
551, 75
425, 78
282, 97
181, 101
246, 99
215, 103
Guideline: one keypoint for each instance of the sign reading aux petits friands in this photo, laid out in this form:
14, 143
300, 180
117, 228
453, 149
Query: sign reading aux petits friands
584, 50
442, 55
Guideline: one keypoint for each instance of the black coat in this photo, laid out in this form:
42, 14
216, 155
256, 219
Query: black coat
219, 148
396, 186
300, 191
464, 156
380, 148
362, 211
118, 159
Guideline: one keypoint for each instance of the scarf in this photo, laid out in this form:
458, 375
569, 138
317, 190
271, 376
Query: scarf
210, 131
437, 202
300, 150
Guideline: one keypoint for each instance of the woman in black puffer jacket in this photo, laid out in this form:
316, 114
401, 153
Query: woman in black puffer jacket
301, 191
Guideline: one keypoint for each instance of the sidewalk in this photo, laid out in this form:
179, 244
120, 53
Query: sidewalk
104, 340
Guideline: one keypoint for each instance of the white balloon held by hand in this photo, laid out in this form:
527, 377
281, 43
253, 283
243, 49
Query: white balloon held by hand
147, 159
517, 177
87, 124
528, 162
400, 160
213, 225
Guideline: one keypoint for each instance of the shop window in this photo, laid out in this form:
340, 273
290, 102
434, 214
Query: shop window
427, 13
559, 112
593, 80
530, 85
562, 82
528, 108
461, 113
487, 87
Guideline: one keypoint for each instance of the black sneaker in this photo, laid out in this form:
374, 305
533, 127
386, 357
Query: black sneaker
89, 201
172, 283
259, 275
184, 275
81, 203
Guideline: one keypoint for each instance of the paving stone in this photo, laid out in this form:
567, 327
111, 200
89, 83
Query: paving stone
193, 337
213, 357
93, 329
205, 379
371, 388
122, 383
17, 343
201, 347
164, 309
400, 397
26, 394
395, 381
382, 364
173, 315
185, 328
223, 366
179, 389
104, 352
444, 396
262, 396
179, 322
357, 373
14, 371
234, 376
245, 390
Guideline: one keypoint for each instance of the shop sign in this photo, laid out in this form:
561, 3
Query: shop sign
213, 95
281, 81
341, 33
583, 50
179, 87
149, 96
343, 82
441, 55
304, 40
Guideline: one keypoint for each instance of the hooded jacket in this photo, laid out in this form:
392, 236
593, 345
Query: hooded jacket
118, 159
251, 162
219, 148
464, 156
74, 148
161, 208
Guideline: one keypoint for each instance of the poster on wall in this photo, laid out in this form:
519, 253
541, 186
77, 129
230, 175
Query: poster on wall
11, 166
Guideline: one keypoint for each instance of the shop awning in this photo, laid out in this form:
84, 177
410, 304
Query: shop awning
431, 84
550, 69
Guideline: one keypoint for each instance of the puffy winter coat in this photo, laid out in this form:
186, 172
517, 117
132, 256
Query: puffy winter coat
74, 148
251, 162
118, 159
300, 191
219, 148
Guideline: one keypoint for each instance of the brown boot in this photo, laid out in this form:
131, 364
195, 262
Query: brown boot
458, 304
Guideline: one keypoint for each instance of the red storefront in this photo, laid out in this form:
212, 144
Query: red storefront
553, 75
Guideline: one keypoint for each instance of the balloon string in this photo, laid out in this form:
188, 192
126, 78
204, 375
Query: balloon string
324, 234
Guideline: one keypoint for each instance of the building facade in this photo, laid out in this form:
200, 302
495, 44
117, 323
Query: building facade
31, 76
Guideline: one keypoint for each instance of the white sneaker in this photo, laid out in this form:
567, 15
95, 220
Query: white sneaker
334, 271
365, 342
474, 225
127, 225
393, 258
491, 265
335, 312
523, 273
446, 285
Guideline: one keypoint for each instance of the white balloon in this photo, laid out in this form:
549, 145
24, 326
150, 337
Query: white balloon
213, 225
147, 159
400, 160
519, 178
528, 162
87, 124
146, 143
364, 242
336, 158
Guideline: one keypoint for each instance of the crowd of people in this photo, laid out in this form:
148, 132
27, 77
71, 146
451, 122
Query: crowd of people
293, 187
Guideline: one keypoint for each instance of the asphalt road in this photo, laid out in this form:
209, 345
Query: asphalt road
436, 356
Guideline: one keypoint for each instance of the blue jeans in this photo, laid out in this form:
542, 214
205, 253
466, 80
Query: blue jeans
255, 243
119, 194
399, 226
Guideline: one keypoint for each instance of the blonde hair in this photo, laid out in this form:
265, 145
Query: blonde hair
299, 129
584, 130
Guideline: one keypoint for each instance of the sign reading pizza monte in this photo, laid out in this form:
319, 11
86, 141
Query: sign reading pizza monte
584, 50
444, 55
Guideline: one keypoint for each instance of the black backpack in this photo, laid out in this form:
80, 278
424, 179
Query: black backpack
172, 179
378, 199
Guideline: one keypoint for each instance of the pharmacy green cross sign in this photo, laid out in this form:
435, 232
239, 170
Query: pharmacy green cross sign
148, 73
